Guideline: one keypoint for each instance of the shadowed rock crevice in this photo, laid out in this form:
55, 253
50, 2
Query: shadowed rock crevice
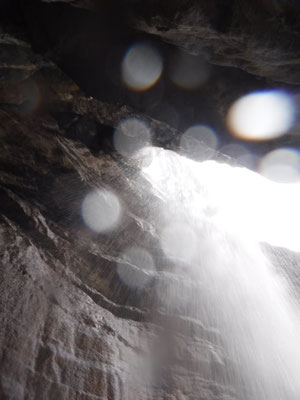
73, 325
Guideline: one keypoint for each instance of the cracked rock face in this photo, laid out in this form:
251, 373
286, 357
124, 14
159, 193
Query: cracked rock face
72, 326
260, 37
240, 48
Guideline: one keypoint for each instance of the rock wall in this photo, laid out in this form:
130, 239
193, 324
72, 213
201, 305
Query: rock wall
70, 327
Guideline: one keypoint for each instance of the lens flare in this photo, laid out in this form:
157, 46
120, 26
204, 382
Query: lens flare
251, 303
234, 150
281, 165
179, 242
136, 268
144, 157
101, 211
248, 160
240, 153
130, 136
141, 67
199, 141
189, 72
261, 115
245, 203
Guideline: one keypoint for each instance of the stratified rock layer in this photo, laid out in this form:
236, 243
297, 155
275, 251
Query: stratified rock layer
70, 328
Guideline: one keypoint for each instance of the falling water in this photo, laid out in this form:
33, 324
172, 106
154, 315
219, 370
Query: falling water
217, 240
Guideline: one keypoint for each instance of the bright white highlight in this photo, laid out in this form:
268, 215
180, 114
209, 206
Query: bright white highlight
198, 142
261, 115
141, 67
179, 242
241, 201
237, 290
101, 211
131, 136
281, 165
136, 268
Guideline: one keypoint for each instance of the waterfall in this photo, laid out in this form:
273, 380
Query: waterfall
215, 217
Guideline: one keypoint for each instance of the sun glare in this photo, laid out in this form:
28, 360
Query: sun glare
245, 202
261, 115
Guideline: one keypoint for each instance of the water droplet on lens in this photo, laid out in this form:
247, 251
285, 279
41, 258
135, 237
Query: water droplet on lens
262, 115
137, 267
281, 165
130, 136
101, 210
199, 142
141, 67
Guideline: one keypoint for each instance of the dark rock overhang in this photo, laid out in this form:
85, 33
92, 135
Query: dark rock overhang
246, 47
70, 326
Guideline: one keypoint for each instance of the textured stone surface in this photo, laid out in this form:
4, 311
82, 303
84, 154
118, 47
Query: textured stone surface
244, 47
260, 37
255, 37
70, 328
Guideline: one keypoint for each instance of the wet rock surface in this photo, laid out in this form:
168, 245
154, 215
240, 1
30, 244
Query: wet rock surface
70, 326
